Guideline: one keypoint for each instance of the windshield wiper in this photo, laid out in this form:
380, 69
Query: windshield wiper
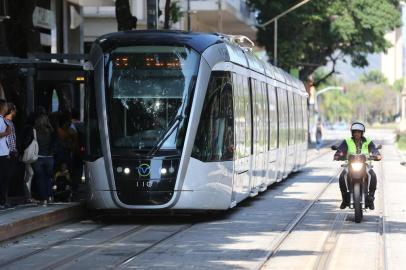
166, 134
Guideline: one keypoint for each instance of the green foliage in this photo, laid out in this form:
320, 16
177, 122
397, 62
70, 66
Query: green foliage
173, 13
398, 85
312, 35
368, 103
402, 142
373, 76
176, 12
335, 106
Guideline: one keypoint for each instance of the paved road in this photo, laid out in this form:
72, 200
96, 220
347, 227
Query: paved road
294, 225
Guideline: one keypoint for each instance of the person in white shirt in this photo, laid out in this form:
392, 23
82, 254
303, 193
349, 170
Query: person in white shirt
4, 155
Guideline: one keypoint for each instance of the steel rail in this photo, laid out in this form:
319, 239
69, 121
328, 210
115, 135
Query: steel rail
43, 249
294, 223
133, 257
330, 243
92, 249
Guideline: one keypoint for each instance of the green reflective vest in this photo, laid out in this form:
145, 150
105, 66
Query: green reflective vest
352, 148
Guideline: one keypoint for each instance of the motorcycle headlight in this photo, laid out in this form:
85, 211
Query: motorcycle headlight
356, 166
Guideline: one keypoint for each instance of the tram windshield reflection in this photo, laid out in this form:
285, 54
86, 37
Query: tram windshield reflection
148, 87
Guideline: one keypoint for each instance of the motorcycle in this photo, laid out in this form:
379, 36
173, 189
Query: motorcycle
357, 167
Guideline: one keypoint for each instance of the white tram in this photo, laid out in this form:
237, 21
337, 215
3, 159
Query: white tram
187, 121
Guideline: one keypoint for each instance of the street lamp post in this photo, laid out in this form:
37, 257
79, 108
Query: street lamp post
275, 21
318, 93
189, 23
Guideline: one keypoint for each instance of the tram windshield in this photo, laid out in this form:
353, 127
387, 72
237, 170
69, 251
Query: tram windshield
149, 88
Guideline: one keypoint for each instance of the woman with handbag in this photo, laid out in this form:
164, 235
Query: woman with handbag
44, 166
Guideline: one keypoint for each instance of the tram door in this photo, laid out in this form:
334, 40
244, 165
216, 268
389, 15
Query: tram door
242, 127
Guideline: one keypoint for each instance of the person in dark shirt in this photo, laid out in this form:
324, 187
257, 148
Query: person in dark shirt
355, 145
44, 166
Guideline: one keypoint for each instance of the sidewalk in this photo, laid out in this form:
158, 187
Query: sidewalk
395, 210
27, 218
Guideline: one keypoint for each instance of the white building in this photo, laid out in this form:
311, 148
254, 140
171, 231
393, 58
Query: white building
226, 16
393, 62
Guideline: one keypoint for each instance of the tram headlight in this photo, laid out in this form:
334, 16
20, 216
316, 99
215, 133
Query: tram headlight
356, 166
127, 170
164, 171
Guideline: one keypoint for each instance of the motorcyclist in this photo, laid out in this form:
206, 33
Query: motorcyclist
357, 144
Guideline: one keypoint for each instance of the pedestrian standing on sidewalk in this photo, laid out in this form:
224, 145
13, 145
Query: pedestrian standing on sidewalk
44, 166
4, 155
11, 141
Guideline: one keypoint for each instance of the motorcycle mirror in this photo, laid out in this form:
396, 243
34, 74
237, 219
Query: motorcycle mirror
334, 147
379, 146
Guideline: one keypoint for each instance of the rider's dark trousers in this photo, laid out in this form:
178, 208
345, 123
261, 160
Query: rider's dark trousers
372, 184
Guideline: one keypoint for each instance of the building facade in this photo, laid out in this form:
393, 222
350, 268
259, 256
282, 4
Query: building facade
226, 16
393, 61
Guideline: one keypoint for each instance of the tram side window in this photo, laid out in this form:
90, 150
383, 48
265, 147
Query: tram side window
258, 123
305, 120
282, 107
93, 143
299, 119
265, 115
273, 118
240, 116
215, 134
248, 116
291, 119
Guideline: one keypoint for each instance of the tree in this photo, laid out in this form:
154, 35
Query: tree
373, 76
398, 85
172, 13
328, 30
125, 20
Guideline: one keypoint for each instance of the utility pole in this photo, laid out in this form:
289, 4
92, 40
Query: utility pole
220, 20
189, 22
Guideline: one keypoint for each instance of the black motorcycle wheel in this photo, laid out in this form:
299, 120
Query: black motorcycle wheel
357, 203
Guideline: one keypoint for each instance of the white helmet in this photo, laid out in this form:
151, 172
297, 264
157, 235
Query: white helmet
357, 126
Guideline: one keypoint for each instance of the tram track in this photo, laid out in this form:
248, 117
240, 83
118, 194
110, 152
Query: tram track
135, 255
99, 246
94, 248
48, 247
290, 228
325, 260
106, 244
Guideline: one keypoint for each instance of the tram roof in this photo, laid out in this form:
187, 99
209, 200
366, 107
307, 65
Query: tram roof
197, 41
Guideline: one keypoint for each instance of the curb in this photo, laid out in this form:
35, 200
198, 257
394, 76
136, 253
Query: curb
23, 226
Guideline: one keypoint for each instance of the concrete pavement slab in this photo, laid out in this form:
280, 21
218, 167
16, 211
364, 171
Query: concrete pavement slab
21, 220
